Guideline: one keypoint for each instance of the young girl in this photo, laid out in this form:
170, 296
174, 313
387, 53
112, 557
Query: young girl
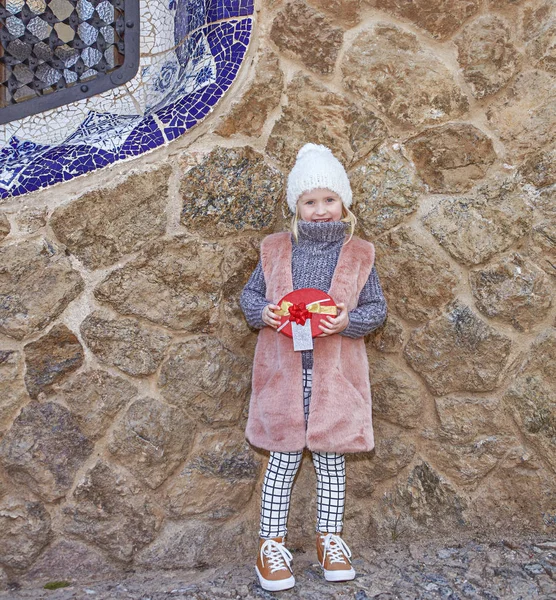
320, 398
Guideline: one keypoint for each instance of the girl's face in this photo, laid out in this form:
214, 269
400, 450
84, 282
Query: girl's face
320, 206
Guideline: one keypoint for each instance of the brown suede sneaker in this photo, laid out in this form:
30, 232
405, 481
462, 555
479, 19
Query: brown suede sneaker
334, 557
274, 565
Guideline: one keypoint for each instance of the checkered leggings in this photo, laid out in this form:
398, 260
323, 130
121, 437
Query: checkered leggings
330, 468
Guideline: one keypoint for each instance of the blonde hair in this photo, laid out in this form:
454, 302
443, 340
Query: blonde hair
347, 217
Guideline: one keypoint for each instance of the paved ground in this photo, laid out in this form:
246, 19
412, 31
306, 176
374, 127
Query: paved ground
508, 570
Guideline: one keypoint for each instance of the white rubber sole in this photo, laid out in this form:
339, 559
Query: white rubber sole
271, 585
343, 575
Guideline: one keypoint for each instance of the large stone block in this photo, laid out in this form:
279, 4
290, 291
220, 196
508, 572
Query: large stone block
316, 113
386, 190
24, 531
250, 113
133, 347
51, 359
110, 512
94, 399
524, 114
539, 168
151, 439
37, 284
183, 275
387, 67
532, 396
392, 453
487, 55
458, 352
417, 280
397, 397
4, 226
13, 394
542, 246
102, 226
440, 18
538, 26
308, 35
421, 502
346, 12
44, 448
218, 478
206, 380
232, 190
389, 337
452, 157
514, 290
487, 221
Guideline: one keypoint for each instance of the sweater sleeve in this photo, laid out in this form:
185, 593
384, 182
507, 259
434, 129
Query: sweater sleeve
371, 309
253, 298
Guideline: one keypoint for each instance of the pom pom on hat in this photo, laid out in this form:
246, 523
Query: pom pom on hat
316, 167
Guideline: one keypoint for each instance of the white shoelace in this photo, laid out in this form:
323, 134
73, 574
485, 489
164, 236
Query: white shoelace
336, 549
278, 556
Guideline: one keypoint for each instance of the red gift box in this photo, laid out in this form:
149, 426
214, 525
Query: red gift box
303, 304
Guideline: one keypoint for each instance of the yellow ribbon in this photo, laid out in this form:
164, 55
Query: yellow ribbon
315, 308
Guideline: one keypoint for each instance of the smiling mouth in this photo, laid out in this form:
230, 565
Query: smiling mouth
321, 220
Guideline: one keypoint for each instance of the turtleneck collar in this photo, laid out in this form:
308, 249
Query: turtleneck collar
309, 232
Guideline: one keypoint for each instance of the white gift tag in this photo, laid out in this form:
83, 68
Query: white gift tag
302, 336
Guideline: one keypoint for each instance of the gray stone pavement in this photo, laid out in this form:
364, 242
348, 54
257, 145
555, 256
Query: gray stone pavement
486, 570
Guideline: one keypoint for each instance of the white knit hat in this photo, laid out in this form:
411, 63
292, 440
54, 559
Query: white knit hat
316, 167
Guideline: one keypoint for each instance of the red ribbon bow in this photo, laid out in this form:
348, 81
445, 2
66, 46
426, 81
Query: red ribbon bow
299, 313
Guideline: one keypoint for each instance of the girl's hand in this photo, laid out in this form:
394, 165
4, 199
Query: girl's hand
269, 318
332, 325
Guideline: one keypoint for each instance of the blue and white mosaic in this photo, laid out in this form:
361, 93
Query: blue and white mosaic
191, 51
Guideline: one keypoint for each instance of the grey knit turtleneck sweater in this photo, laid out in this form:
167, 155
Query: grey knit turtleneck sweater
314, 259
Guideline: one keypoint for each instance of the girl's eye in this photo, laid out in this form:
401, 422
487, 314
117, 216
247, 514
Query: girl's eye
331, 199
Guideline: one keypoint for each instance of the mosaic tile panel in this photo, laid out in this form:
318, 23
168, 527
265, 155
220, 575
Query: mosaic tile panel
191, 53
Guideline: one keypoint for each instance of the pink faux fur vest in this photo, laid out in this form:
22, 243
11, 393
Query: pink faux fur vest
340, 415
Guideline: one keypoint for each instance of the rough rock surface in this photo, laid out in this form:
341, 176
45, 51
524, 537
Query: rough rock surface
346, 11
94, 399
110, 511
487, 55
206, 380
4, 226
32, 219
417, 280
102, 226
316, 113
539, 30
524, 114
24, 531
441, 18
308, 35
44, 448
151, 439
385, 190
232, 190
37, 284
51, 359
134, 348
487, 221
452, 157
13, 395
397, 397
219, 475
512, 289
392, 453
458, 352
249, 114
388, 67
539, 168
182, 274
532, 396
390, 337
542, 247
422, 500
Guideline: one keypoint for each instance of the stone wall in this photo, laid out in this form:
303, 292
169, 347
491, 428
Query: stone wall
125, 359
